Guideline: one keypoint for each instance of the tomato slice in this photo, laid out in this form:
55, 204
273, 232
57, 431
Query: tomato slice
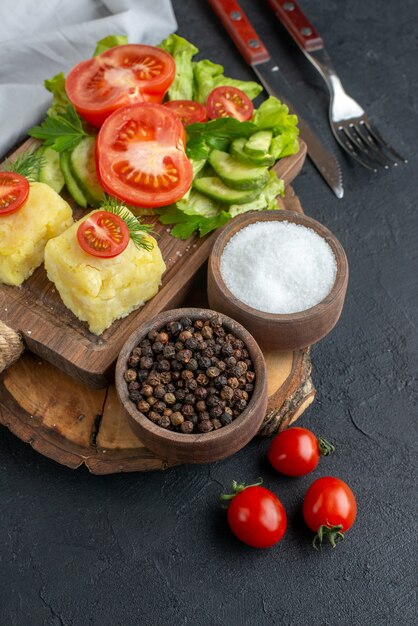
141, 157
103, 234
229, 102
120, 76
188, 111
14, 190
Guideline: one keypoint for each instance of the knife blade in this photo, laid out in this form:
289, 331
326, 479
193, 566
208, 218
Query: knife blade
257, 56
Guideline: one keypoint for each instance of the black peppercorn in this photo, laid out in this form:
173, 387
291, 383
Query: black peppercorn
157, 347
240, 405
134, 385
226, 419
198, 324
135, 396
212, 372
169, 398
144, 343
180, 394
177, 406
190, 398
147, 390
137, 351
154, 417
133, 360
216, 411
187, 322
187, 427
159, 406
205, 362
176, 365
154, 378
130, 375
249, 387
208, 352
227, 393
203, 415
169, 351
204, 427
216, 423
220, 381
200, 392
233, 382
243, 366
185, 335
212, 400
159, 391
215, 320
187, 375
202, 379
184, 356
164, 421
177, 418
174, 328
200, 406
164, 366
192, 365
170, 388
142, 375
167, 412
179, 345
187, 410
152, 335
191, 384
152, 400
143, 406
162, 337
146, 362
174, 375
165, 378
207, 332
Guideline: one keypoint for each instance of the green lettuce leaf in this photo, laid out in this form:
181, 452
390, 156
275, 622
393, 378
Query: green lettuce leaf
274, 115
182, 52
208, 75
60, 101
109, 42
267, 200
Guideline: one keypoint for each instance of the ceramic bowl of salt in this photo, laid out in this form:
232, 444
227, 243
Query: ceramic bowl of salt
282, 275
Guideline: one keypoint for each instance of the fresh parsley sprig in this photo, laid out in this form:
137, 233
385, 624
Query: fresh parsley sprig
137, 230
185, 225
203, 137
27, 164
62, 131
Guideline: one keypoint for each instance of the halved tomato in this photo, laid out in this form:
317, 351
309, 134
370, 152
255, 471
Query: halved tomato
188, 111
227, 101
103, 234
120, 76
14, 190
141, 156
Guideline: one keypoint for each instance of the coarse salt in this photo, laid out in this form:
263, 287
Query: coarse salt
278, 267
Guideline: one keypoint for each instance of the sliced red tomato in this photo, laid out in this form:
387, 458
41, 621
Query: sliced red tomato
120, 76
103, 234
141, 156
14, 190
229, 102
188, 111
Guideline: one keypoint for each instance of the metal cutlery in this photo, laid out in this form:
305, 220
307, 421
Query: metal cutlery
257, 56
350, 125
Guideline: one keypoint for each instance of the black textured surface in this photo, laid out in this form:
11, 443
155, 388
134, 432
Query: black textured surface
154, 549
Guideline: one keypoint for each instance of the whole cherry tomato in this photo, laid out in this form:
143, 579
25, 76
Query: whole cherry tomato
255, 515
296, 451
329, 508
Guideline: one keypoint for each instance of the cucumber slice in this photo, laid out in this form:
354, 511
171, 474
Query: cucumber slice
237, 152
237, 175
83, 168
72, 185
50, 170
259, 143
214, 188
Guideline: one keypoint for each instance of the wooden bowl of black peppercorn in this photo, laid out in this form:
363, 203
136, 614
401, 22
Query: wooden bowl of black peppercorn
193, 383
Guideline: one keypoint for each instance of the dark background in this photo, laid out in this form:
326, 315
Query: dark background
155, 549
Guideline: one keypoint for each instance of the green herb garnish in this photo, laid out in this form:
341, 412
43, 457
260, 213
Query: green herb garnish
63, 131
26, 164
218, 134
186, 225
137, 230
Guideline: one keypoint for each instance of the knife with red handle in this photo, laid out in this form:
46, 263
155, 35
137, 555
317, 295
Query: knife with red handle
295, 21
258, 57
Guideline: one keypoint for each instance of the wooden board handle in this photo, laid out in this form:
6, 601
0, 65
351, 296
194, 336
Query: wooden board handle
11, 346
297, 24
240, 30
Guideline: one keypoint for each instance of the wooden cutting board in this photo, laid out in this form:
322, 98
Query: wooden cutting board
52, 332
68, 421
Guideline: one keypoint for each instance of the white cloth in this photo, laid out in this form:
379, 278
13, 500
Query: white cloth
40, 39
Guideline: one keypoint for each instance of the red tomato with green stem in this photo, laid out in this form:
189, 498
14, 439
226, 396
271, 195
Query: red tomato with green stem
296, 451
103, 234
255, 515
228, 101
141, 156
188, 111
119, 77
14, 190
329, 509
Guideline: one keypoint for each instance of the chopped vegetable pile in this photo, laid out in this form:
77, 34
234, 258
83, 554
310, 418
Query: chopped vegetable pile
156, 129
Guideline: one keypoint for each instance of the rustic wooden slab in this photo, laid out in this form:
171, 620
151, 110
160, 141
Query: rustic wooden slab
51, 331
68, 421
